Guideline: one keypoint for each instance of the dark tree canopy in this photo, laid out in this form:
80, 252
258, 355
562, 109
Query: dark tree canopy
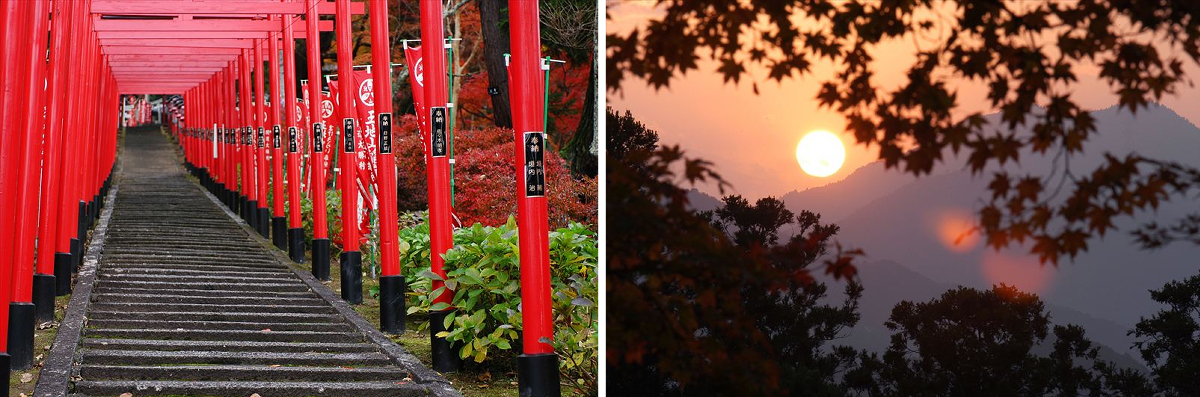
1170, 340
702, 315
1026, 53
752, 224
982, 343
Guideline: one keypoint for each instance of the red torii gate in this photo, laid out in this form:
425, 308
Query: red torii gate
201, 50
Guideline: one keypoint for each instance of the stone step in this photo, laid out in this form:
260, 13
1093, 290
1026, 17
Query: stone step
159, 357
244, 259
264, 389
218, 325
240, 287
188, 269
217, 316
173, 297
241, 373
240, 308
204, 292
225, 335
240, 346
243, 278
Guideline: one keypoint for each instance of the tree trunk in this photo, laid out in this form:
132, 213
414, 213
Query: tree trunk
494, 22
579, 150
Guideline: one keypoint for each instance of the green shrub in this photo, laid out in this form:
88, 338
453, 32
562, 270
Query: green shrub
483, 269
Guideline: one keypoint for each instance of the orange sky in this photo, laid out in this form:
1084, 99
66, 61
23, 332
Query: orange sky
752, 138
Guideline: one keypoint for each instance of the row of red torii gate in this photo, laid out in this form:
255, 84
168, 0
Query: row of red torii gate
100, 55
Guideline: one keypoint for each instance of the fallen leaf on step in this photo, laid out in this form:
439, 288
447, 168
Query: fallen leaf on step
266, 330
38, 357
255, 395
126, 395
26, 377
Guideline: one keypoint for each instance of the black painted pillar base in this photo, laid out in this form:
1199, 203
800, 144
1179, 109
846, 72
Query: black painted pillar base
44, 288
20, 335
445, 354
252, 214
76, 255
320, 259
392, 313
96, 204
264, 222
279, 232
537, 375
81, 233
6, 367
244, 207
296, 244
351, 269
62, 273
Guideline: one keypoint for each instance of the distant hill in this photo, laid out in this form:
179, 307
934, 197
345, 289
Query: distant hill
840, 199
700, 201
886, 283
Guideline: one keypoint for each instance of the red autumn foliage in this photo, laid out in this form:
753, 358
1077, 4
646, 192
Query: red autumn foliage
485, 184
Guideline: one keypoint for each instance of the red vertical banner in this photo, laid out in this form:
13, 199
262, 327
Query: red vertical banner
329, 138
364, 95
416, 76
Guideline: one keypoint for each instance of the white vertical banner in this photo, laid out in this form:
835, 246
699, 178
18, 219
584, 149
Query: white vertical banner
214, 140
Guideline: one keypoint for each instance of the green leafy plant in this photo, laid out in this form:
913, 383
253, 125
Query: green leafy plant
483, 270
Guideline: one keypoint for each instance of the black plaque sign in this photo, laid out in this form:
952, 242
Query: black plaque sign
348, 130
318, 143
260, 137
437, 124
292, 140
275, 136
535, 170
248, 136
385, 133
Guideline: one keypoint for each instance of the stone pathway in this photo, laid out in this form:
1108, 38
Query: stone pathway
187, 302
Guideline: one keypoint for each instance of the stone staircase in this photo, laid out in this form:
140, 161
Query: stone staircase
187, 302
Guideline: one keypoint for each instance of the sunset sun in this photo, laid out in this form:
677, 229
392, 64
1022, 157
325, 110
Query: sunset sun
820, 153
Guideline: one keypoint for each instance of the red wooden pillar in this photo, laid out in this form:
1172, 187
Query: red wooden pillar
351, 258
246, 141
228, 97
264, 214
445, 356
53, 271
320, 248
68, 243
391, 283
537, 369
295, 229
16, 18
8, 12
279, 222
21, 309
